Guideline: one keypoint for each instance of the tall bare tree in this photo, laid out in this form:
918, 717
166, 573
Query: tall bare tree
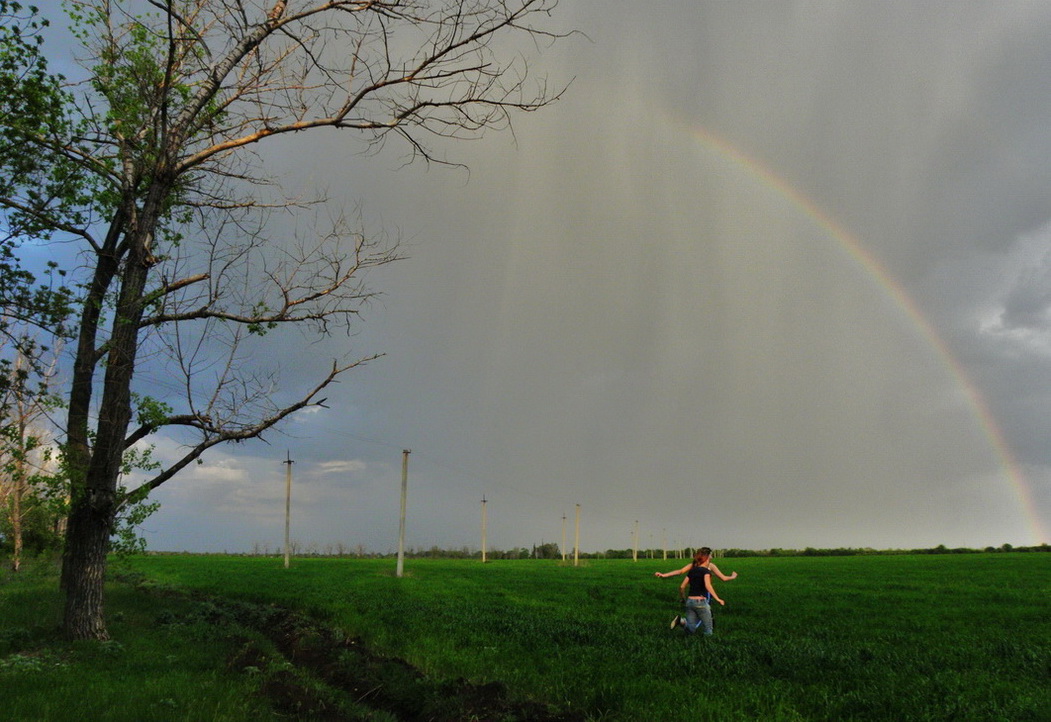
153, 172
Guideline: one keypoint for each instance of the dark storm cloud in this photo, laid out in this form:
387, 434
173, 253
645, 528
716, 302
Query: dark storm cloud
608, 312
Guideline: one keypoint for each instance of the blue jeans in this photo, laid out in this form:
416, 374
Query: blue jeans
698, 614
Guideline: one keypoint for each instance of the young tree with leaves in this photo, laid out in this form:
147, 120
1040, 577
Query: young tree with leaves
151, 168
31, 103
24, 458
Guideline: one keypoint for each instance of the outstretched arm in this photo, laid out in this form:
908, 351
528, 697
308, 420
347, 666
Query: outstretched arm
711, 589
716, 572
677, 572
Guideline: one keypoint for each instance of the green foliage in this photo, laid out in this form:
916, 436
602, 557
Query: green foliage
33, 106
135, 509
150, 413
36, 183
32, 97
29, 486
138, 91
39, 534
547, 550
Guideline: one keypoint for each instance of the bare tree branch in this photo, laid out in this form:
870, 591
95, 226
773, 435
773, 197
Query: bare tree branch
213, 434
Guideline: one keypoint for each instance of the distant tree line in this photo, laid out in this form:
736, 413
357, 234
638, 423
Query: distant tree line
866, 551
550, 550
360, 551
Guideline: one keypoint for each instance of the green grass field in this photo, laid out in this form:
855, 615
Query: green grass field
146, 672
932, 637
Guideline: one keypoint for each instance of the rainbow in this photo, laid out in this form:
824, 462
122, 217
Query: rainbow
872, 266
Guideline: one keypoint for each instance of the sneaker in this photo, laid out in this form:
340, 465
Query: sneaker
676, 622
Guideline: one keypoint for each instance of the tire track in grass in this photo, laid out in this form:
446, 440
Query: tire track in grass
315, 671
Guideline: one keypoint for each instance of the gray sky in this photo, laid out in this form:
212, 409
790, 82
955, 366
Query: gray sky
616, 310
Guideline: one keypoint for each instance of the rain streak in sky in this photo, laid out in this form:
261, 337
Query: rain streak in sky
770, 274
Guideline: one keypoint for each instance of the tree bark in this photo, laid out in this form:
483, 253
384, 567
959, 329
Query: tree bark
84, 570
16, 515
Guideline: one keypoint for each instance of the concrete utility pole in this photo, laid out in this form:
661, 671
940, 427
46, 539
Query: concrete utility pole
401, 528
576, 540
635, 542
288, 504
563, 538
664, 542
483, 528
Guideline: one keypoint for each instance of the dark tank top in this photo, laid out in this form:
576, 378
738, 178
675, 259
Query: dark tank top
696, 576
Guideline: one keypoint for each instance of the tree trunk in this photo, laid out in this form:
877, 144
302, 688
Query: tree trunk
78, 447
84, 568
18, 478
94, 508
16, 517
